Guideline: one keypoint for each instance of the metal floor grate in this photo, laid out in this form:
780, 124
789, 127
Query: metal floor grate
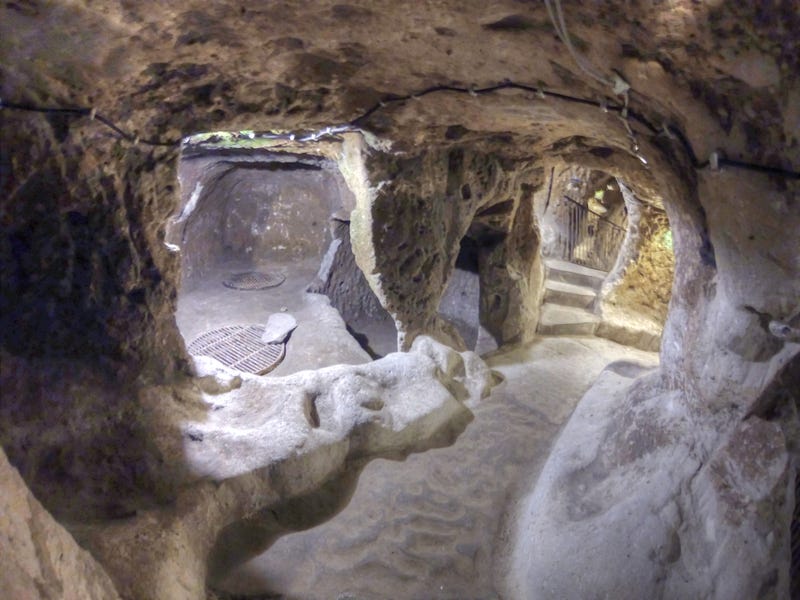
239, 347
253, 280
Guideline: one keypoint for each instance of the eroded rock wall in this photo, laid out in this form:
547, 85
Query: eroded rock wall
744, 256
693, 504
635, 296
86, 274
407, 235
343, 282
253, 207
667, 464
645, 285
38, 558
511, 270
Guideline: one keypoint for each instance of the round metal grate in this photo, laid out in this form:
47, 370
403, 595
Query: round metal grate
239, 347
253, 280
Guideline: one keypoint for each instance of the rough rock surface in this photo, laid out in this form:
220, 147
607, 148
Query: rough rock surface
88, 276
344, 283
437, 524
274, 452
643, 283
642, 472
407, 236
38, 557
635, 296
89, 287
255, 208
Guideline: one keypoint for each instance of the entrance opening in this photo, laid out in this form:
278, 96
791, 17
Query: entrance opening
460, 303
608, 257
262, 236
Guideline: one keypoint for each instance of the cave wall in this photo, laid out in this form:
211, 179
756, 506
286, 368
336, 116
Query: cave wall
642, 283
252, 215
39, 558
460, 304
407, 233
634, 298
286, 218
80, 470
721, 213
755, 265
195, 231
342, 281
511, 270
88, 300
667, 462
86, 274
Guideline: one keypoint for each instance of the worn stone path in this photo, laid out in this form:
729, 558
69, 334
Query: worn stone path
437, 525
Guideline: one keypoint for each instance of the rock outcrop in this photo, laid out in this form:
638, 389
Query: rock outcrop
673, 490
243, 450
38, 557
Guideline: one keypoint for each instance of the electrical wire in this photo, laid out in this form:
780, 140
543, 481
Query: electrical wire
618, 85
86, 112
557, 18
355, 125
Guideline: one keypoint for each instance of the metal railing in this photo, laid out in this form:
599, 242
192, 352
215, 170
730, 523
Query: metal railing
585, 237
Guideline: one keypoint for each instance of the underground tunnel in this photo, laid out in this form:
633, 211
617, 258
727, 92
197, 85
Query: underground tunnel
541, 261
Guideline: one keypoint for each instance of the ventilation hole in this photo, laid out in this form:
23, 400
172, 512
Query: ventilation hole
239, 347
310, 405
511, 23
373, 404
253, 280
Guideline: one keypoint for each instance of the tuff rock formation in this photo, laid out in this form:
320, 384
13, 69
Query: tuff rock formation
453, 116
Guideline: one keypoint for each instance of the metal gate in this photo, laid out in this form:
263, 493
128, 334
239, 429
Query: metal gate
585, 237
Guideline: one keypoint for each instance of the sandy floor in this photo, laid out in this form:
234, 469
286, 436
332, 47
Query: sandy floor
436, 525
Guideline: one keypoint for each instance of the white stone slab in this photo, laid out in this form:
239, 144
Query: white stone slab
278, 328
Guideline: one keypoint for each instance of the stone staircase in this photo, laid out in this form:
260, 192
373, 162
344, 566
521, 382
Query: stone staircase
570, 293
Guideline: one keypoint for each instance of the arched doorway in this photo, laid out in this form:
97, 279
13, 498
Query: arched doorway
268, 281
608, 259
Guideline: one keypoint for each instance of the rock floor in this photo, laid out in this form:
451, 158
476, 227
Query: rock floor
320, 340
437, 525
